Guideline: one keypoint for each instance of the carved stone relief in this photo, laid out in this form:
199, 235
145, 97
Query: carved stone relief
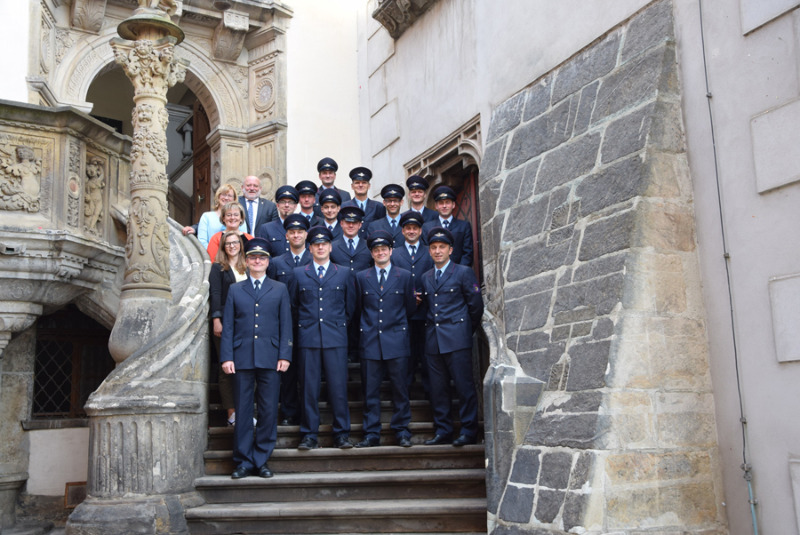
263, 100
88, 14
398, 15
93, 194
74, 185
64, 41
20, 178
229, 35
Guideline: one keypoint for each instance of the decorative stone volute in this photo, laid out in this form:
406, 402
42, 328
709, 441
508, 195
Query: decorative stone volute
398, 15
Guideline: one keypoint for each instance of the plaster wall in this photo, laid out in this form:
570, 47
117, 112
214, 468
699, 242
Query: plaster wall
753, 81
51, 468
322, 94
15, 28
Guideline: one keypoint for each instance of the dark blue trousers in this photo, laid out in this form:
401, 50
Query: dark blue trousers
372, 373
252, 449
456, 366
416, 361
290, 398
334, 362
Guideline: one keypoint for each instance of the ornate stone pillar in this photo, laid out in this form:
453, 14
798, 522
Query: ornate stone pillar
145, 52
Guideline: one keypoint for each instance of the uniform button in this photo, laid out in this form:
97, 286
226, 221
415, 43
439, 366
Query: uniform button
436, 304
256, 314
320, 299
320, 310
256, 336
380, 310
437, 324
255, 326
436, 314
256, 304
380, 321
380, 332
321, 319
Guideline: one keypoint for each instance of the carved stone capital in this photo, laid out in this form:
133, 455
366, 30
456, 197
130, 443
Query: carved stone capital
398, 15
88, 14
150, 65
229, 35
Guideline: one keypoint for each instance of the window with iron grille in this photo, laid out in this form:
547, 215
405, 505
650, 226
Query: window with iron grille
72, 359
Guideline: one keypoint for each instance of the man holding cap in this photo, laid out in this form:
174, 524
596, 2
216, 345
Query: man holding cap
445, 200
392, 200
385, 297
286, 198
417, 189
323, 293
256, 344
453, 304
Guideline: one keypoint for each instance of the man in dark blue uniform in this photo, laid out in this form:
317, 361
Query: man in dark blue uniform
454, 307
281, 269
417, 190
326, 168
392, 200
307, 193
325, 299
256, 344
445, 199
274, 232
329, 205
385, 297
411, 255
360, 177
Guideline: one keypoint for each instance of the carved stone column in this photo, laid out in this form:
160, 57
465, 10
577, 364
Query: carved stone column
145, 52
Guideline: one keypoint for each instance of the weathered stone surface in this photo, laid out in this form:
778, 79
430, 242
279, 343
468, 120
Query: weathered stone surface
585, 108
581, 472
568, 162
600, 267
536, 258
647, 29
528, 313
538, 363
526, 466
636, 82
509, 194
666, 131
582, 329
688, 505
627, 134
506, 116
538, 98
490, 193
573, 402
603, 328
577, 314
588, 365
608, 235
581, 431
527, 219
561, 333
548, 505
667, 227
594, 63
616, 183
492, 158
575, 506
517, 504
539, 135
555, 470
603, 294
531, 342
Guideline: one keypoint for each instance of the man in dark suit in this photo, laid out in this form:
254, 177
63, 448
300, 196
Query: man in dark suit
445, 199
330, 204
327, 168
392, 200
256, 344
324, 296
257, 211
452, 299
274, 232
307, 192
360, 177
417, 190
282, 270
385, 297
411, 255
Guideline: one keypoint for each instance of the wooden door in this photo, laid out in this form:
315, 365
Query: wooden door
203, 195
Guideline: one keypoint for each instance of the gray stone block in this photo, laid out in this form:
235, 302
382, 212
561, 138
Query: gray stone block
491, 236
528, 186
548, 505
560, 333
600, 267
529, 313
539, 135
509, 194
577, 314
607, 236
506, 116
627, 134
538, 364
588, 363
595, 62
575, 506
490, 193
526, 466
555, 470
604, 328
528, 393
582, 329
585, 108
576, 402
568, 162
533, 285
537, 258
531, 342
537, 98
637, 82
581, 431
603, 294
492, 158
616, 183
652, 26
517, 504
526, 220
582, 470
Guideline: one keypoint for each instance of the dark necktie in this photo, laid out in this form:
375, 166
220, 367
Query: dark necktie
258, 286
413, 251
296, 260
330, 227
447, 224
438, 274
321, 271
394, 225
352, 247
308, 216
250, 215
361, 205
383, 278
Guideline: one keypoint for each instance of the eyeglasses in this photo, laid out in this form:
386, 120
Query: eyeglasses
232, 244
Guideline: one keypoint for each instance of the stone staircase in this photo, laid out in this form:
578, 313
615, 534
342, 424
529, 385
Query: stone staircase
387, 489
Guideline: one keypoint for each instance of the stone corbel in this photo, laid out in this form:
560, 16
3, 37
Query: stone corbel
88, 15
16, 317
398, 15
229, 35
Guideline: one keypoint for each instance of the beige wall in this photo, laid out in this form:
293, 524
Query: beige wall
51, 467
323, 88
14, 27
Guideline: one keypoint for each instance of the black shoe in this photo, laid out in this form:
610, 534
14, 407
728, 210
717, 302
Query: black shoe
265, 472
289, 421
241, 472
342, 442
404, 442
369, 442
439, 439
308, 443
463, 440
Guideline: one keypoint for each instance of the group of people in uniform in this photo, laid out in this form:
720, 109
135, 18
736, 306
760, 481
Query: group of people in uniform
331, 279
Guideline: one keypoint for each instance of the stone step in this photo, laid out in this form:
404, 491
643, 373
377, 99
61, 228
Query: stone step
348, 516
360, 485
418, 457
